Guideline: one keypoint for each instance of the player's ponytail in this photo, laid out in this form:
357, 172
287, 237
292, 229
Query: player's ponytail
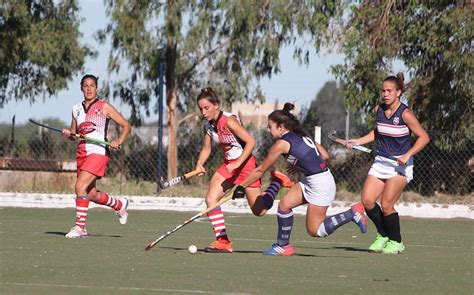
398, 81
288, 107
209, 94
287, 119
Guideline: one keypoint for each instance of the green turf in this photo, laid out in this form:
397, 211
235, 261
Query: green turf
36, 258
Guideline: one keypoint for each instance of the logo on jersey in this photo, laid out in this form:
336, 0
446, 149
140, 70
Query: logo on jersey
396, 120
291, 160
323, 165
87, 127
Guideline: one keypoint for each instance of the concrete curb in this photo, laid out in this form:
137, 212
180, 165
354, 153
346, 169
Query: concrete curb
33, 200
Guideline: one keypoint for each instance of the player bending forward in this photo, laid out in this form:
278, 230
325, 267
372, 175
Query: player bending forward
237, 144
317, 188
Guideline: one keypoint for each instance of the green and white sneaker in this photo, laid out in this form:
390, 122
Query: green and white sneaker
393, 247
379, 244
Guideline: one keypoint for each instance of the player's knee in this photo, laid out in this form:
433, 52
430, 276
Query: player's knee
80, 189
387, 207
312, 231
312, 234
259, 212
210, 201
367, 203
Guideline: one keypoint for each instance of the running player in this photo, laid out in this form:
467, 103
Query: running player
317, 187
388, 178
91, 117
237, 144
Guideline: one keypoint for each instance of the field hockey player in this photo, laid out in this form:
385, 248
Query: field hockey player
91, 117
317, 188
387, 178
237, 144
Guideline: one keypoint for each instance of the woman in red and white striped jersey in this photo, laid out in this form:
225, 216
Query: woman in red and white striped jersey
237, 144
91, 117
387, 178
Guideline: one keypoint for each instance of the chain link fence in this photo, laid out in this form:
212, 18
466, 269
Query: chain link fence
37, 160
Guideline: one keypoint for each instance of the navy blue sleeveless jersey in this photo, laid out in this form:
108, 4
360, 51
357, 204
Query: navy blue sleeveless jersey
304, 154
393, 135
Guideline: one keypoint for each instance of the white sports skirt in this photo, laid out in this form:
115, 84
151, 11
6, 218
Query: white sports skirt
384, 168
319, 189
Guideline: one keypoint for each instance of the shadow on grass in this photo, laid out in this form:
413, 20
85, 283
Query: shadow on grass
255, 252
353, 249
338, 248
60, 233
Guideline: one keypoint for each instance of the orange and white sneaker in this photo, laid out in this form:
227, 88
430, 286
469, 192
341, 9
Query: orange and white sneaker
221, 246
282, 178
359, 216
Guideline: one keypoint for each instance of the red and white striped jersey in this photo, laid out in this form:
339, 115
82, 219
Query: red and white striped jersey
92, 123
220, 133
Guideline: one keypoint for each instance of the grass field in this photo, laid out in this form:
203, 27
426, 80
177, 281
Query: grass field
37, 259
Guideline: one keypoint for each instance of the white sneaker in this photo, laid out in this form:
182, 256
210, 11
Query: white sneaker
122, 213
76, 232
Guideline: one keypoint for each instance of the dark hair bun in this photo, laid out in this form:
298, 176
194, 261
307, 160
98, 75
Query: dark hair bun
288, 107
207, 89
401, 77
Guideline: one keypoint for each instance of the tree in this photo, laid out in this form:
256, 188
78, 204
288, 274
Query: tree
40, 50
226, 44
327, 110
433, 41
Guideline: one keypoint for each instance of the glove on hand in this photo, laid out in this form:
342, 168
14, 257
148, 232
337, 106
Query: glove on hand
239, 192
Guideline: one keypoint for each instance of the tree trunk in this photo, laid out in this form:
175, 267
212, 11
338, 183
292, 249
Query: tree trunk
171, 102
171, 99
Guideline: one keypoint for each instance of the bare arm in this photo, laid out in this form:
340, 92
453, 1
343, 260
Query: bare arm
242, 133
324, 153
204, 153
280, 147
67, 132
117, 117
422, 137
369, 137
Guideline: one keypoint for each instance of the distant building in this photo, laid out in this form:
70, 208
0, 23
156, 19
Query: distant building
149, 134
249, 113
257, 113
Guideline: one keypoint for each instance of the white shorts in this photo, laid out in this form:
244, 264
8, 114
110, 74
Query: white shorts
384, 168
319, 189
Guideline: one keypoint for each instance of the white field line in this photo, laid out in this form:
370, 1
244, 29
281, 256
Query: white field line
419, 210
116, 288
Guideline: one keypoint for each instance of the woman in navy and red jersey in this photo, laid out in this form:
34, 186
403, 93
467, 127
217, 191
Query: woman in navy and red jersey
317, 188
237, 144
387, 178
91, 117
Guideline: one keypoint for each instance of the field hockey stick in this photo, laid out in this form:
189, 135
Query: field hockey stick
226, 197
356, 146
72, 134
176, 180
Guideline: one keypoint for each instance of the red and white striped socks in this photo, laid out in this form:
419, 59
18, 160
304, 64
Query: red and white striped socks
82, 207
218, 224
106, 200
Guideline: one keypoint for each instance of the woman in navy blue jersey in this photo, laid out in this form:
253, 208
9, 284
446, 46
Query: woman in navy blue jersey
387, 178
317, 188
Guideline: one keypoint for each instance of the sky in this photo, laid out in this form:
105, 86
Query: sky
294, 83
